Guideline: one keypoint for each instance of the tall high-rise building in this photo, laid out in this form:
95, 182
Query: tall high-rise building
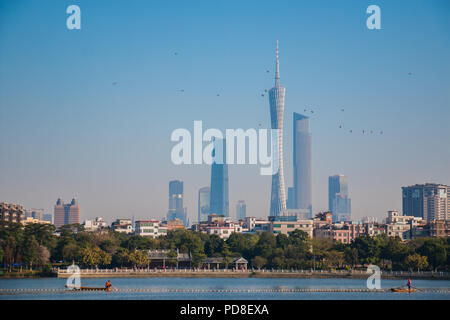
66, 213
204, 195
429, 201
219, 180
290, 203
302, 153
241, 210
338, 201
276, 101
176, 209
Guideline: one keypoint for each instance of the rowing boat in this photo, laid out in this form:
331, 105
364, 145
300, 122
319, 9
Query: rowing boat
403, 290
88, 288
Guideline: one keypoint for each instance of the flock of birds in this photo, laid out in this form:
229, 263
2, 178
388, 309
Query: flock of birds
306, 111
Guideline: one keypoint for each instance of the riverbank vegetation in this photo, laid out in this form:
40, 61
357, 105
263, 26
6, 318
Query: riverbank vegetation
36, 247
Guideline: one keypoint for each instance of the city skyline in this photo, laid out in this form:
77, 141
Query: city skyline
90, 115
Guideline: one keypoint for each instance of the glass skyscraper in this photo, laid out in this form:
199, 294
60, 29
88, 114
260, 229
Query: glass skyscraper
302, 165
203, 203
241, 210
176, 209
276, 101
338, 201
219, 180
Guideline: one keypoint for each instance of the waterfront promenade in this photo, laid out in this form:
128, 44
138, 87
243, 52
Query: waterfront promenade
250, 273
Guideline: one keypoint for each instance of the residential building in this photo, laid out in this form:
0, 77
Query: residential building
219, 225
429, 201
174, 224
95, 224
122, 226
150, 228
287, 224
31, 220
253, 224
401, 226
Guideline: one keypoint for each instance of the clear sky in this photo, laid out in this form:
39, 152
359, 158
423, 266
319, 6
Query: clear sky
67, 130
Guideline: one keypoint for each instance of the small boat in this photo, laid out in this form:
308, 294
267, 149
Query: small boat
403, 290
88, 288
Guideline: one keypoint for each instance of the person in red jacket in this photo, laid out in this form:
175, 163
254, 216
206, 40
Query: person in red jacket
108, 285
409, 284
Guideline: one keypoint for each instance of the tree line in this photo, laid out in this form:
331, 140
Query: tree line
36, 246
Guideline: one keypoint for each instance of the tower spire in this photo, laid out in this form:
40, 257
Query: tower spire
277, 72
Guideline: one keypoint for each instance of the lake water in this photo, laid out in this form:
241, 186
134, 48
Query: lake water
207, 287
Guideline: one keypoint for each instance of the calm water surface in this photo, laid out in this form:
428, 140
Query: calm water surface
221, 284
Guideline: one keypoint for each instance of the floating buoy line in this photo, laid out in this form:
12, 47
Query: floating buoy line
150, 290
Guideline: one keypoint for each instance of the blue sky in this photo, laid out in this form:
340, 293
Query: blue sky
66, 130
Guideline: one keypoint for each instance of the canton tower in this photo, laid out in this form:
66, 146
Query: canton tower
276, 101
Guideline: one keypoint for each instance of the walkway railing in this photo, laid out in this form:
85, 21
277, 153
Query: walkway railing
265, 271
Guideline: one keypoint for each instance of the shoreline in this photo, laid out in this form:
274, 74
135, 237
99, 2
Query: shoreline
221, 274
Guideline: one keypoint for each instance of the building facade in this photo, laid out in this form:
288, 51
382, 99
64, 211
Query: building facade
66, 213
11, 212
176, 209
276, 101
95, 224
150, 228
339, 204
241, 210
122, 226
429, 201
302, 153
219, 180
204, 198
287, 224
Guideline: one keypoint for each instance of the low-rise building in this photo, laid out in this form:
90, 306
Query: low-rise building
439, 228
287, 224
173, 224
122, 226
401, 226
219, 225
31, 220
150, 228
253, 224
94, 225
344, 232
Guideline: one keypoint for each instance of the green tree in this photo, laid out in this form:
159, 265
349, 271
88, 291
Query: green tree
226, 253
259, 262
30, 251
416, 262
435, 251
